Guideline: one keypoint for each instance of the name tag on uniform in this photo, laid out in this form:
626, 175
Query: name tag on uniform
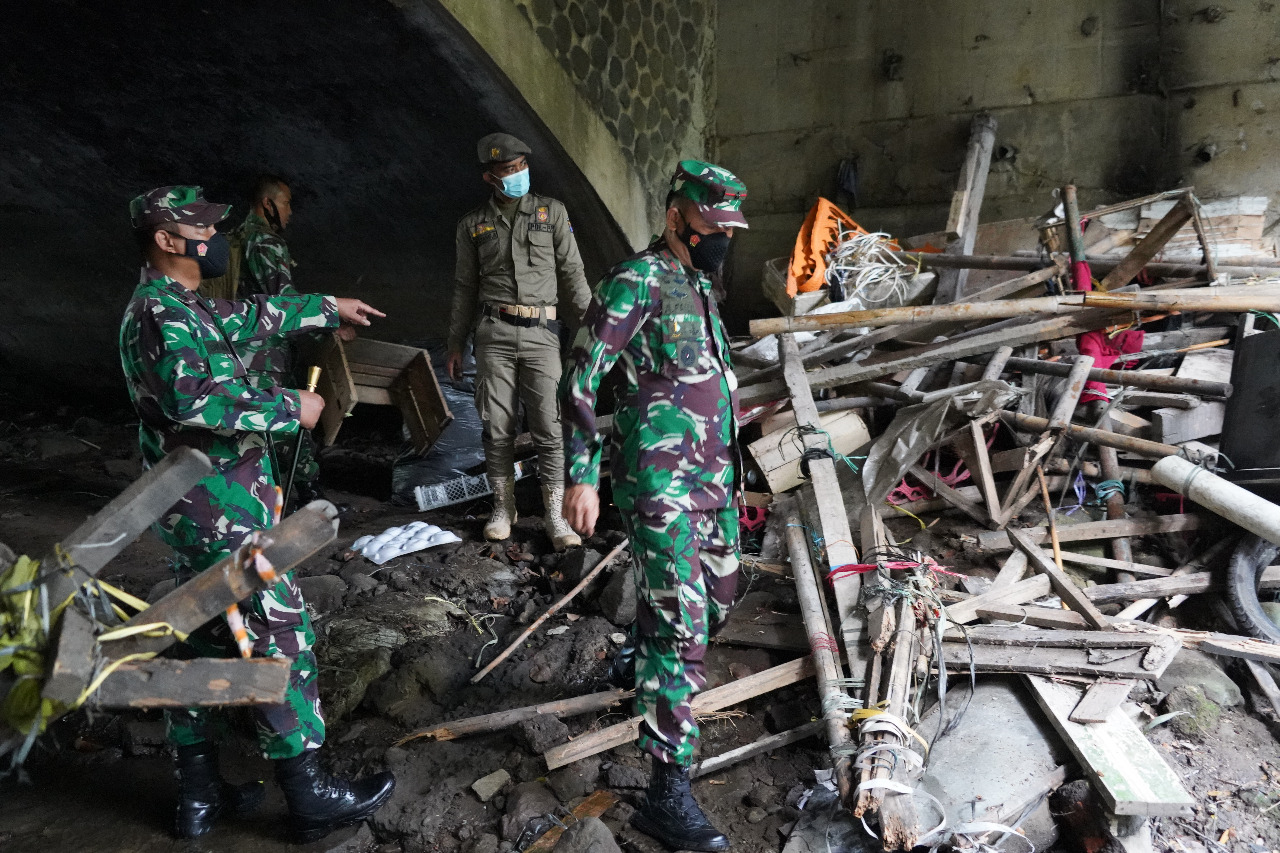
542, 226
482, 231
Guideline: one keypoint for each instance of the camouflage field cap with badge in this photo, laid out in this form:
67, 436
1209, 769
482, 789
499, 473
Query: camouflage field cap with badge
499, 148
184, 204
717, 191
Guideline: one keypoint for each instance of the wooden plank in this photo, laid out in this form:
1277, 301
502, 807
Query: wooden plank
1119, 565
504, 719
1176, 425
998, 540
1066, 588
833, 520
1029, 589
111, 529
1040, 617
593, 806
212, 591
930, 354
202, 682
1012, 571
417, 393
368, 351
1148, 246
1068, 638
716, 699
1189, 584
966, 203
1266, 683
337, 387
950, 495
766, 744
1120, 762
1100, 699
71, 670
374, 396
972, 448
1121, 664
1243, 648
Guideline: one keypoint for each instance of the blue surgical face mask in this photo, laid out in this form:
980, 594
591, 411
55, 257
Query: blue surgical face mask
517, 185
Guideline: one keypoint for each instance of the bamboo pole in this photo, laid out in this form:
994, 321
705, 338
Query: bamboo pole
1230, 299
1151, 449
1097, 263
1130, 378
825, 654
569, 596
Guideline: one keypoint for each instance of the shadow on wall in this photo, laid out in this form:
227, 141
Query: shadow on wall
374, 120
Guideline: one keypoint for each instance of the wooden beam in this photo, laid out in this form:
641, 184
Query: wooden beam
1149, 246
966, 203
1100, 699
716, 763
1066, 588
1116, 756
71, 670
1157, 588
202, 682
1029, 589
716, 699
950, 495
110, 530
833, 520
1119, 565
505, 719
1043, 660
1040, 617
212, 591
998, 540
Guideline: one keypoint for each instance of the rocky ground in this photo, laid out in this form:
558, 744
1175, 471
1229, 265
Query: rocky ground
398, 644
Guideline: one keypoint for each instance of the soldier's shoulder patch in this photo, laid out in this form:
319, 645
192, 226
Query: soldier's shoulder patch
543, 213
480, 229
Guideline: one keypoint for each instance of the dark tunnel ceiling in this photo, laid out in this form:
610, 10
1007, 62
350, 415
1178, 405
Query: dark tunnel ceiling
372, 117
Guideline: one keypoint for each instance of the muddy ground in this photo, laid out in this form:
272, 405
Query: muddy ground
398, 644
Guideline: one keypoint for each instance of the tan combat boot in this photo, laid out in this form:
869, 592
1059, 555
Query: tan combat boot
504, 509
558, 530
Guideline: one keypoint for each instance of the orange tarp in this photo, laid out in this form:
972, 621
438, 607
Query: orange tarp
819, 234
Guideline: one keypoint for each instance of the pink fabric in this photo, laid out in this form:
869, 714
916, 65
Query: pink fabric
1081, 275
1106, 351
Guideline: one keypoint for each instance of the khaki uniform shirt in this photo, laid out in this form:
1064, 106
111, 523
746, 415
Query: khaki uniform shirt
533, 260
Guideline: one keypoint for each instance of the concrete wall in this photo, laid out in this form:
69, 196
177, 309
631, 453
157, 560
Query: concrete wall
1107, 94
623, 85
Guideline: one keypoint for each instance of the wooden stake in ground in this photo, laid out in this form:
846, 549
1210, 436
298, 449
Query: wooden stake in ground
555, 608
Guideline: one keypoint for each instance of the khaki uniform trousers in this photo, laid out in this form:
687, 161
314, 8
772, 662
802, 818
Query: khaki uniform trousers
517, 364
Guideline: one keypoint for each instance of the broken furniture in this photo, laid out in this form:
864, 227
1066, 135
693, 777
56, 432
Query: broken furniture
377, 373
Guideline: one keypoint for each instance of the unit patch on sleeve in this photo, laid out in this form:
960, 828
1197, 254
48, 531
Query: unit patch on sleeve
481, 231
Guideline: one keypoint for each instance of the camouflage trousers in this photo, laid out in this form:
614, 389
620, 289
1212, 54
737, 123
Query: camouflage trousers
207, 525
686, 572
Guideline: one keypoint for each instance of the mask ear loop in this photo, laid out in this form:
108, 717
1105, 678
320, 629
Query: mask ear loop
273, 215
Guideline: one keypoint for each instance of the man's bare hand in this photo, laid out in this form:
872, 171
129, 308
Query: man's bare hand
346, 333
582, 508
312, 406
453, 364
355, 312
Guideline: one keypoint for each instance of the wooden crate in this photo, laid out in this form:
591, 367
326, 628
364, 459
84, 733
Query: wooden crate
381, 374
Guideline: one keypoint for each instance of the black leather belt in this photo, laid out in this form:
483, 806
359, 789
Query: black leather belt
524, 322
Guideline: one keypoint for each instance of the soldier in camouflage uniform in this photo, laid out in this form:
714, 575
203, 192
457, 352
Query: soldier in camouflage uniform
518, 269
190, 389
266, 269
674, 463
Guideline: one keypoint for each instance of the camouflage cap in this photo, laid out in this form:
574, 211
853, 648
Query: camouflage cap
176, 204
717, 191
499, 148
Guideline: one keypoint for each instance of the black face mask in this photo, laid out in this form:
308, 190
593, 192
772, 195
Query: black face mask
213, 255
706, 251
272, 215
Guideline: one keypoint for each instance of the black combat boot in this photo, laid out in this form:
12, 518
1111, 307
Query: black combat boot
320, 803
671, 815
622, 673
203, 795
